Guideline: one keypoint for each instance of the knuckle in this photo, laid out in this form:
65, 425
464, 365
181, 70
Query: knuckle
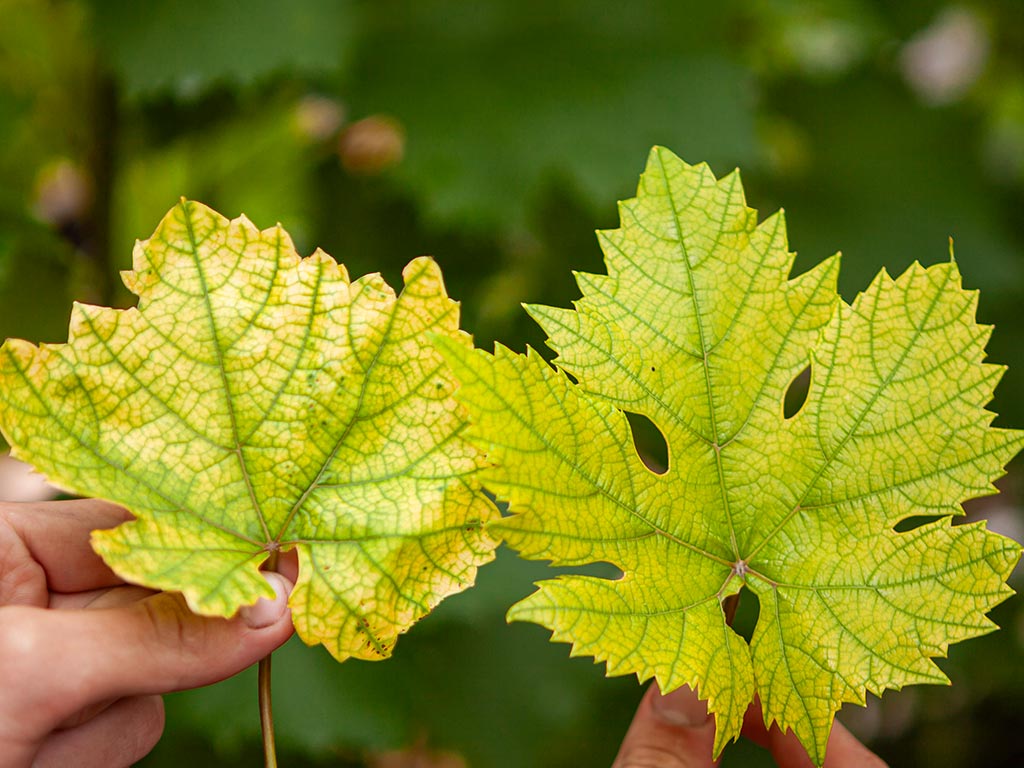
22, 581
179, 631
22, 637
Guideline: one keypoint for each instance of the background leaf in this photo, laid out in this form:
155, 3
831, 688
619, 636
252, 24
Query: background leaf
186, 48
492, 130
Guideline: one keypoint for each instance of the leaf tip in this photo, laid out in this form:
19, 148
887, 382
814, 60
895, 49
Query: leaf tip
657, 150
515, 613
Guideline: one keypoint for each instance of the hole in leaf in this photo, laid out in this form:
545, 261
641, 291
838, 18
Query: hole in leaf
796, 393
910, 523
601, 570
747, 611
649, 442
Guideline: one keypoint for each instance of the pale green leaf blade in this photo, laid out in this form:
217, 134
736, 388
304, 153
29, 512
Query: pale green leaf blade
256, 402
894, 426
699, 327
557, 450
871, 619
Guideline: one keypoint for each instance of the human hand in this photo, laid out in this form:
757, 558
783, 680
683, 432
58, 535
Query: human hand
675, 731
84, 657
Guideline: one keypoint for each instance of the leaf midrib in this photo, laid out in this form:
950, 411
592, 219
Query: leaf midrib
684, 252
918, 330
95, 451
222, 372
355, 419
307, 331
608, 494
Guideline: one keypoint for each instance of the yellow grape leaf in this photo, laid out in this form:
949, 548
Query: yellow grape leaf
698, 327
257, 402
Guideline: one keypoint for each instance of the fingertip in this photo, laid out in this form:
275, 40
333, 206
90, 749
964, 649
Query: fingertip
680, 707
266, 612
669, 731
846, 751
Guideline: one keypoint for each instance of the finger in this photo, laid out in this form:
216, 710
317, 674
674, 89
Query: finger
59, 662
288, 565
753, 724
107, 597
84, 715
117, 737
843, 750
56, 534
671, 731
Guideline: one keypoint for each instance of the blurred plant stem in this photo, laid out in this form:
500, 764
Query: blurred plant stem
101, 160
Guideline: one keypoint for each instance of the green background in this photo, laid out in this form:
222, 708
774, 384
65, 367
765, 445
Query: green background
497, 136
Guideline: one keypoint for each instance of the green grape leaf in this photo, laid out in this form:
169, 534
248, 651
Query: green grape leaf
184, 48
698, 327
434, 69
256, 402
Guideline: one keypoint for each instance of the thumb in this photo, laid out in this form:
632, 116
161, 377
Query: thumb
267, 613
155, 645
670, 731
162, 646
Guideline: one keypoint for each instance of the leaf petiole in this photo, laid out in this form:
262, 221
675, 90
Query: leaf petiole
266, 713
265, 703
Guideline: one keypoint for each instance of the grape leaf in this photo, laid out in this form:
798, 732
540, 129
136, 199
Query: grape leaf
698, 328
256, 402
186, 48
433, 67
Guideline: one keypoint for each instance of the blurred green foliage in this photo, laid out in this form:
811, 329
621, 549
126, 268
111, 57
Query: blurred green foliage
497, 135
